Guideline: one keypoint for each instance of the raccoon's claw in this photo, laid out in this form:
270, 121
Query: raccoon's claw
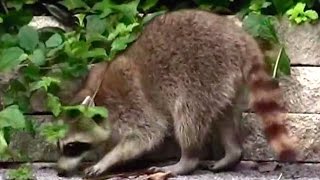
165, 169
94, 170
155, 169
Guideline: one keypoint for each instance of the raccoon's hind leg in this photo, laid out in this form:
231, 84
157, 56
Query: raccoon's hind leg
191, 130
229, 129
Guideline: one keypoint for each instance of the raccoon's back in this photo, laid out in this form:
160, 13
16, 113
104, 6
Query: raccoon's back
190, 50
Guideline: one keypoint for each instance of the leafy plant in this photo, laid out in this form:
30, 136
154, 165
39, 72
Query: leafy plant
298, 14
53, 131
24, 172
261, 26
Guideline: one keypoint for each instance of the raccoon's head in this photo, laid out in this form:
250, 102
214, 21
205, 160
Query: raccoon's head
83, 135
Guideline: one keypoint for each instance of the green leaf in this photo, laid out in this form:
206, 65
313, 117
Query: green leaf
11, 58
1, 20
148, 4
53, 52
75, 70
282, 6
45, 83
32, 72
38, 57
298, 20
257, 5
260, 26
53, 131
12, 117
74, 4
95, 24
28, 38
3, 143
97, 52
312, 14
122, 29
8, 40
53, 104
300, 7
121, 43
129, 10
17, 5
54, 41
17, 18
92, 37
289, 12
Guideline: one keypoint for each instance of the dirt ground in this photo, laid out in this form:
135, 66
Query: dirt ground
245, 170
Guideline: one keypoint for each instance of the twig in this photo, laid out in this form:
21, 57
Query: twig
3, 4
280, 177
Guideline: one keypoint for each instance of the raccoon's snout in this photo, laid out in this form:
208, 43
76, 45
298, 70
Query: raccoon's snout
75, 149
66, 166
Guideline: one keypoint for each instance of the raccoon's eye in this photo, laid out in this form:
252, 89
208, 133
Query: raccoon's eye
75, 149
98, 119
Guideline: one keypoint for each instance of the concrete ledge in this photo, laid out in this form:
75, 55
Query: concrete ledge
304, 126
302, 90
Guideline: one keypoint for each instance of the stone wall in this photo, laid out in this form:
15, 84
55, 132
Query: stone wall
302, 90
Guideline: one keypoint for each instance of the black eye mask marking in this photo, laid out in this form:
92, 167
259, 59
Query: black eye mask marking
75, 149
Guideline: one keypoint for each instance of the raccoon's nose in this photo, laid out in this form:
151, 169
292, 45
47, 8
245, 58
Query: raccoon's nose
63, 173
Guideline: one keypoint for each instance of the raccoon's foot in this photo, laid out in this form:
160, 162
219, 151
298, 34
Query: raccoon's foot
225, 164
183, 167
95, 170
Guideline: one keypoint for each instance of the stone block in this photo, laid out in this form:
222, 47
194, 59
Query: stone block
306, 127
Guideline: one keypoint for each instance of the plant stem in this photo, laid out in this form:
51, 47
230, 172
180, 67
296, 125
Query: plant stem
274, 74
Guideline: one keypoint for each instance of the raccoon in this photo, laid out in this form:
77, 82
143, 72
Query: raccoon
183, 74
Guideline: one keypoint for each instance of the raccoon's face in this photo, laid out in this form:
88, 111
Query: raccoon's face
81, 138
76, 145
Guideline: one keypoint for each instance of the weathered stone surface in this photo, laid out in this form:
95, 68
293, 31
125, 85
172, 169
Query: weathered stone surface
302, 42
304, 126
34, 147
301, 90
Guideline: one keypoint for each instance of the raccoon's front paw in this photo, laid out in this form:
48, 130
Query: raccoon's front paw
94, 170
